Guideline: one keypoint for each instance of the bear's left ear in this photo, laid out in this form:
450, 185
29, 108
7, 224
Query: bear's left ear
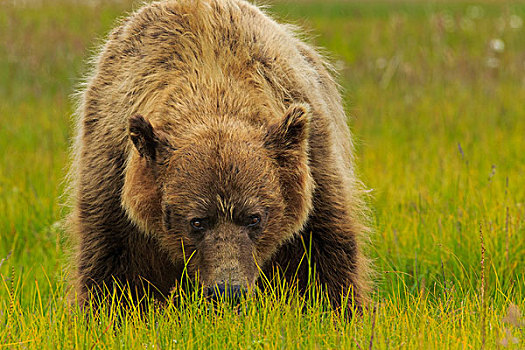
287, 142
147, 141
288, 139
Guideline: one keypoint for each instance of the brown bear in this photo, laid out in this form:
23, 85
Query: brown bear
211, 138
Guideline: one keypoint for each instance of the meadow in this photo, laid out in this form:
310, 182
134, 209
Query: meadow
435, 92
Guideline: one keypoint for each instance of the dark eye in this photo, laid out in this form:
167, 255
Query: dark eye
253, 220
198, 224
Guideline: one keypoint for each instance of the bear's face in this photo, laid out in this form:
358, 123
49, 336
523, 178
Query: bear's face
225, 196
222, 199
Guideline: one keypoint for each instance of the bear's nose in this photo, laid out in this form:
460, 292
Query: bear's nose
226, 292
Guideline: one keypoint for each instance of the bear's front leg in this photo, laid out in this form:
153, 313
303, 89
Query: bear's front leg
104, 265
329, 249
331, 238
114, 257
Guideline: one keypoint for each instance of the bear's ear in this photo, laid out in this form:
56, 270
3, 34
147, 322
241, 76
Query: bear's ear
287, 142
147, 142
289, 138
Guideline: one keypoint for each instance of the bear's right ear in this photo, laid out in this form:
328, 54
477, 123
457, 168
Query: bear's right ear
146, 140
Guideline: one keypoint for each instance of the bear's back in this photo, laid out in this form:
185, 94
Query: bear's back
190, 55
180, 62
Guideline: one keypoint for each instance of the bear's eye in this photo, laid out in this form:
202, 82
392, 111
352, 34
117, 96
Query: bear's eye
198, 224
253, 220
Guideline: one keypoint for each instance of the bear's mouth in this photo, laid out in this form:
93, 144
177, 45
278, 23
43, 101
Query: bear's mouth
227, 293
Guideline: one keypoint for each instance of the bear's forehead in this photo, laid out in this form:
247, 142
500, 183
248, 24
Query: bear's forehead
218, 203
224, 154
220, 177
222, 170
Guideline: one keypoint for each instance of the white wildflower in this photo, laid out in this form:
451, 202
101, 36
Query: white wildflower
492, 62
467, 24
497, 45
515, 22
475, 12
449, 23
339, 65
381, 63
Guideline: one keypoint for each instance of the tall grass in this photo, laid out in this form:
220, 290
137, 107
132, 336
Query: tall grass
436, 92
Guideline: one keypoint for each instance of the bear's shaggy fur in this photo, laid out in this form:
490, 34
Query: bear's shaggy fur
209, 135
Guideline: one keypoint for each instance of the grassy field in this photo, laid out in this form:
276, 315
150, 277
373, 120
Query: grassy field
436, 92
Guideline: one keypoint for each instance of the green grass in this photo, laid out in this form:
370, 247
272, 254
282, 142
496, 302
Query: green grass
438, 117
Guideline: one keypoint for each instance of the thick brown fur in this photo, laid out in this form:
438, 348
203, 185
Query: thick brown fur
209, 108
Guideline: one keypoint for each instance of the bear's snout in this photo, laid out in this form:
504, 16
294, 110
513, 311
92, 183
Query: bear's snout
224, 291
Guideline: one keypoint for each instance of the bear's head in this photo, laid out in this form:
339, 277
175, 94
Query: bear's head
222, 197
